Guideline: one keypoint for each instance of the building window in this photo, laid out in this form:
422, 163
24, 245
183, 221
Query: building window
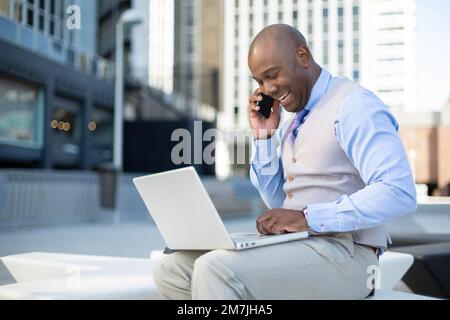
52, 7
21, 114
356, 75
52, 28
390, 90
266, 19
250, 25
18, 11
355, 50
398, 28
325, 20
355, 18
391, 59
30, 17
325, 52
280, 16
236, 26
236, 91
341, 57
310, 18
4, 7
391, 13
295, 18
102, 131
65, 122
340, 19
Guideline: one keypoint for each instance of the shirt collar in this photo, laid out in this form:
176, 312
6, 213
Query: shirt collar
319, 89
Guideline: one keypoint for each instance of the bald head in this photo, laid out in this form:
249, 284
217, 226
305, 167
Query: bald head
283, 37
281, 63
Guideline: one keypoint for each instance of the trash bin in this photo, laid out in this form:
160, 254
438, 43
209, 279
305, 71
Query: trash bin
108, 185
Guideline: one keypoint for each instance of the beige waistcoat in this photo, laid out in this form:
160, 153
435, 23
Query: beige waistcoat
318, 170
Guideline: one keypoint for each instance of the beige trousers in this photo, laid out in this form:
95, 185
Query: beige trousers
320, 267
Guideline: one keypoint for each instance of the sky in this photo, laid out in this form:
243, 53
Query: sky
433, 53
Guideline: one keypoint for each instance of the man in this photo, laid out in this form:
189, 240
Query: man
340, 171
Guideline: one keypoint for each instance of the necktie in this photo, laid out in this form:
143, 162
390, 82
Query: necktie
298, 119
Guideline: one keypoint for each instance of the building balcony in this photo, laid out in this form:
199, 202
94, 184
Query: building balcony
57, 50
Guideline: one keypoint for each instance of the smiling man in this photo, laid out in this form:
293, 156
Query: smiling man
337, 168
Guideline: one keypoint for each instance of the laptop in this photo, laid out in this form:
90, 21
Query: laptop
187, 219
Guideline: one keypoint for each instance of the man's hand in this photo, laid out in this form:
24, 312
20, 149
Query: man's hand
263, 128
277, 221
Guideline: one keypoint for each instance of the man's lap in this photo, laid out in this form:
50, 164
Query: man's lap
317, 267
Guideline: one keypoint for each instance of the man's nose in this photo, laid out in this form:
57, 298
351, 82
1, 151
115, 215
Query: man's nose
269, 89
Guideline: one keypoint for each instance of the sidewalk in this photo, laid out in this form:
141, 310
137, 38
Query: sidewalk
130, 239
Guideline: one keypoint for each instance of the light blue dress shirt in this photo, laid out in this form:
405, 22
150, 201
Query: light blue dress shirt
370, 141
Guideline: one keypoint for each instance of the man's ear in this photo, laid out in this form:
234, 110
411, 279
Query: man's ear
303, 56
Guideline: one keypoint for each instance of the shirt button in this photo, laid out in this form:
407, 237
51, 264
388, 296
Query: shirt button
294, 160
290, 178
289, 195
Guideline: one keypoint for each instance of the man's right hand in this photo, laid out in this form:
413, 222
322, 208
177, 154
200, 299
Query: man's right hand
263, 128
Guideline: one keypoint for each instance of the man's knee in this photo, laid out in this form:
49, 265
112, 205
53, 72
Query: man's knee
160, 271
176, 265
217, 261
215, 276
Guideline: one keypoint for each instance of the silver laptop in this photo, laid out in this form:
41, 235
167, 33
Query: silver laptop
187, 218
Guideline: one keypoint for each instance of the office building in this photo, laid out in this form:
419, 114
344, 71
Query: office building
56, 93
371, 42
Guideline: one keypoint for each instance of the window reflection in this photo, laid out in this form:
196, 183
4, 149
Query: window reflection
21, 111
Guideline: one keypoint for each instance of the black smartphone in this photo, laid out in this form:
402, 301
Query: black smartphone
265, 105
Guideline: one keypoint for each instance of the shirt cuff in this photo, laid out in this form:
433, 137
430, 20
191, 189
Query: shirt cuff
322, 217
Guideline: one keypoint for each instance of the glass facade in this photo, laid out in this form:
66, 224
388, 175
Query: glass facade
21, 114
4, 7
40, 25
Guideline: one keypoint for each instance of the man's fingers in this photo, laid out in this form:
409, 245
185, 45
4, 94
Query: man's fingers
264, 216
278, 230
264, 226
269, 226
260, 229
255, 98
254, 107
276, 106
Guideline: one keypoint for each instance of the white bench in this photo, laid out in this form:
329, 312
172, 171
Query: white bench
42, 275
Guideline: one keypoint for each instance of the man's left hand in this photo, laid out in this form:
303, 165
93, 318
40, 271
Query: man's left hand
277, 221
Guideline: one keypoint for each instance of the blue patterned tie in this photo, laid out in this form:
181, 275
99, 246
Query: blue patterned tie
298, 119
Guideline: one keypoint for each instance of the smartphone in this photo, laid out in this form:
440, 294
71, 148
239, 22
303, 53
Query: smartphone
265, 105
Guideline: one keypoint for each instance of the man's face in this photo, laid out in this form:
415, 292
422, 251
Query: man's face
281, 75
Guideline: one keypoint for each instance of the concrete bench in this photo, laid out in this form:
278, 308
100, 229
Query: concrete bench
42, 275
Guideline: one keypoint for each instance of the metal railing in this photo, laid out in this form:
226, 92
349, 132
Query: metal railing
36, 197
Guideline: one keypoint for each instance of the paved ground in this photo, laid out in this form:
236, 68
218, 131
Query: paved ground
139, 238
136, 239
